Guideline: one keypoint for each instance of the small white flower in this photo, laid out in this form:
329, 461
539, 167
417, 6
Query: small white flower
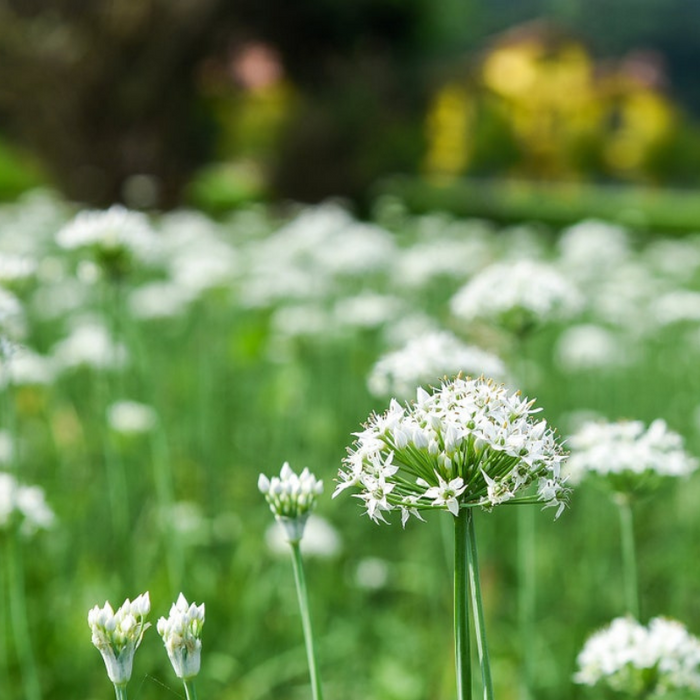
182, 636
446, 493
118, 635
291, 497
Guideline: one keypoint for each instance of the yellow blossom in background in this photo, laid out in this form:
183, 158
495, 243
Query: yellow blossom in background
447, 127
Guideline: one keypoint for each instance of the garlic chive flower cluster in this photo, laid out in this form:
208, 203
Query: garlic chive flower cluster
182, 636
469, 443
628, 456
427, 358
291, 497
517, 296
641, 661
116, 237
118, 635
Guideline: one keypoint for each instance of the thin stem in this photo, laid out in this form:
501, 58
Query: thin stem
303, 597
478, 609
120, 691
18, 613
461, 606
190, 691
527, 595
629, 558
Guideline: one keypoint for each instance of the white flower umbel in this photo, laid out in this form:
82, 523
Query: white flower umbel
118, 635
628, 456
630, 460
116, 237
469, 443
640, 661
291, 497
425, 360
517, 296
182, 636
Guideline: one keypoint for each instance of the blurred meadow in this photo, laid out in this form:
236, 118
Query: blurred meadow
292, 206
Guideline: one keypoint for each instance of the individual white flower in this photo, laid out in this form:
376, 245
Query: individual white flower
131, 417
677, 306
425, 360
641, 661
23, 506
118, 635
182, 636
116, 237
517, 296
468, 443
630, 457
291, 497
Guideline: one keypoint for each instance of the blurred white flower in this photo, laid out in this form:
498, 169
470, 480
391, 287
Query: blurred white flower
427, 359
28, 368
367, 310
89, 344
517, 296
641, 661
118, 635
182, 636
676, 307
15, 269
161, 299
320, 539
24, 505
468, 443
588, 346
629, 456
12, 318
372, 573
116, 237
131, 417
590, 249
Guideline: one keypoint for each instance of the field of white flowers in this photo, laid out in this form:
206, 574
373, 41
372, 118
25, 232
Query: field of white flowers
153, 367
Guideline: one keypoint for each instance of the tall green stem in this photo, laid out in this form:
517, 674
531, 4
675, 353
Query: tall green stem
478, 610
527, 595
120, 691
303, 597
190, 691
461, 605
18, 612
629, 558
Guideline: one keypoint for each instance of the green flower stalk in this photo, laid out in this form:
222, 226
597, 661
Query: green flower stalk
630, 461
182, 636
292, 497
118, 635
468, 444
